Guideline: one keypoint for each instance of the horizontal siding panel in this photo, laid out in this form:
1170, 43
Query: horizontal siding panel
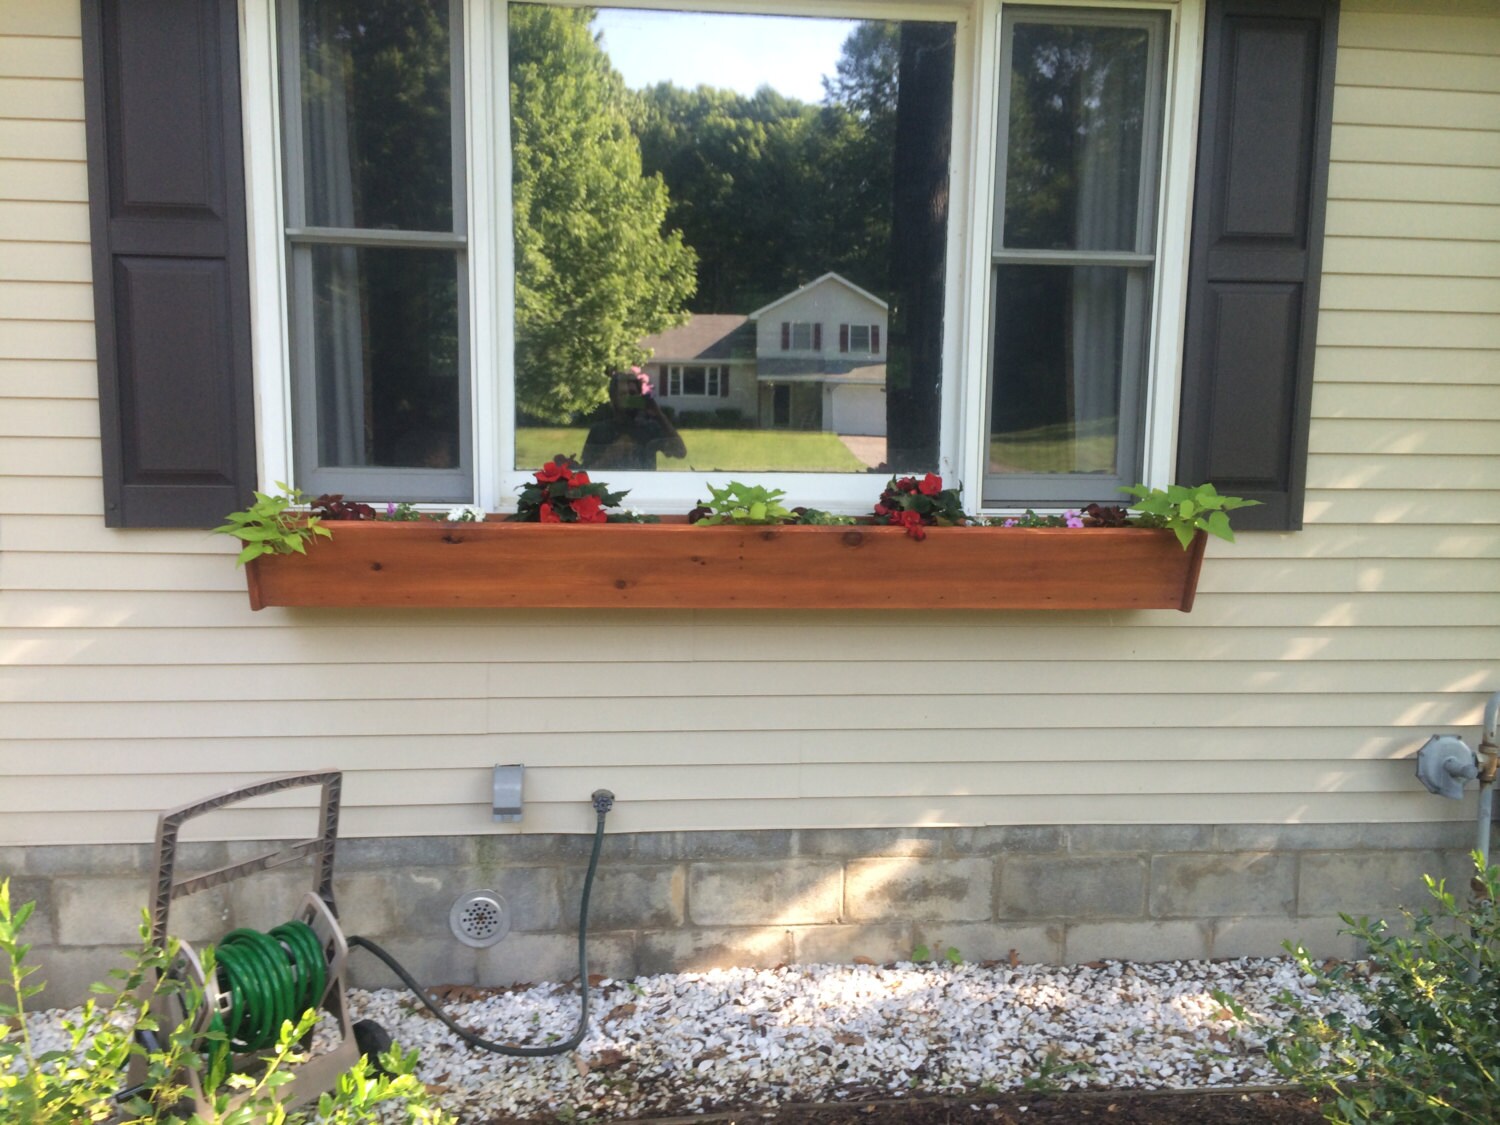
1400, 257
48, 457
1416, 365
1417, 70
1370, 400
1446, 109
770, 781
1393, 144
49, 261
1389, 436
44, 179
282, 718
1414, 183
84, 535
48, 378
1418, 27
107, 824
33, 300
44, 495
81, 758
41, 99
31, 339
39, 17
123, 573
40, 140
1409, 329
1335, 470
857, 641
43, 417
1388, 293
1259, 576
29, 221
523, 681
1395, 220
36, 56
1370, 506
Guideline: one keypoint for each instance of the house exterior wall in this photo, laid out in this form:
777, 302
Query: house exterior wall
136, 677
829, 303
742, 394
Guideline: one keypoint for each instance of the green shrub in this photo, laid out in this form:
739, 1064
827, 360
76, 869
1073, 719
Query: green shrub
81, 1084
1429, 1050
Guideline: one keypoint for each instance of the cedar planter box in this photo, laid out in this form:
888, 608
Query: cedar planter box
677, 566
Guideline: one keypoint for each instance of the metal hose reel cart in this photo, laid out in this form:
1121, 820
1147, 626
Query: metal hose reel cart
317, 910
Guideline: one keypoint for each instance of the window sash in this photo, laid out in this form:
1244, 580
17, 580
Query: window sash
1019, 488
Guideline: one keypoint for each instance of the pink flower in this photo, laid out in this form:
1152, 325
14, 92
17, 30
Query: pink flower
1073, 519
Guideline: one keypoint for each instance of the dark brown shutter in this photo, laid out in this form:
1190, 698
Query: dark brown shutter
1257, 254
818, 337
723, 382
874, 339
171, 279
786, 336
843, 337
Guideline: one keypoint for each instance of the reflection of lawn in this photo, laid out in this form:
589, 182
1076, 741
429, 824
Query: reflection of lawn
1059, 448
735, 451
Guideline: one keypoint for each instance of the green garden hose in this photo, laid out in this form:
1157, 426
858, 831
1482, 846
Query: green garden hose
269, 979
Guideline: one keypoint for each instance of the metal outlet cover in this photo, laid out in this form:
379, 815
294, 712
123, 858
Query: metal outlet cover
480, 918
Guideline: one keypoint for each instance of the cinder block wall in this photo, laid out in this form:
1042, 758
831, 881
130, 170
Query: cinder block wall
691, 900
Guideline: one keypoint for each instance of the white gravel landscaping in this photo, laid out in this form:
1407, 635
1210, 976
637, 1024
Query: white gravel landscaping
742, 1037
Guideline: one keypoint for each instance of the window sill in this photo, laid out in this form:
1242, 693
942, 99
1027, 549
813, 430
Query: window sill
675, 566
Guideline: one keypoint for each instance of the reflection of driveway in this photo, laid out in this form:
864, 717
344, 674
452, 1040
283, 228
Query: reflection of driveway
870, 450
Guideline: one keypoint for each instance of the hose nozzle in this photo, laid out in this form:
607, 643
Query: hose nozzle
603, 800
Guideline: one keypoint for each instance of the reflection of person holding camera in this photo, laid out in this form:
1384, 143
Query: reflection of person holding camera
636, 430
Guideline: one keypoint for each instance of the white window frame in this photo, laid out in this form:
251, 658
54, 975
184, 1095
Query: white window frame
677, 378
964, 430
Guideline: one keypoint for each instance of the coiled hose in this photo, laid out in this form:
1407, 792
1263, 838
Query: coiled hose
269, 979
603, 801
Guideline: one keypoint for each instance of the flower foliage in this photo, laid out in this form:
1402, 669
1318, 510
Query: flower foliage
918, 504
563, 493
1030, 518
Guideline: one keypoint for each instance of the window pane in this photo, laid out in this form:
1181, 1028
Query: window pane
1077, 110
386, 343
377, 128
1059, 349
691, 194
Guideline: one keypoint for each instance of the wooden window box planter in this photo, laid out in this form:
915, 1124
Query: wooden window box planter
676, 566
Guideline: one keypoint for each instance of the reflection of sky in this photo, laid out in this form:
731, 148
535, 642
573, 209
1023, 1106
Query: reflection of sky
788, 53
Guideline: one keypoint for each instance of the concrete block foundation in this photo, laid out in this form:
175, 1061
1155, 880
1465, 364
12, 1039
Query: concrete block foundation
677, 901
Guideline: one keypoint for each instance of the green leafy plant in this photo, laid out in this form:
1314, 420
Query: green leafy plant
816, 517
744, 504
1186, 511
1429, 1048
88, 1081
916, 504
950, 955
1030, 518
276, 524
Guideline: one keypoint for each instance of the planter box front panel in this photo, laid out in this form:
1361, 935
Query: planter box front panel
676, 566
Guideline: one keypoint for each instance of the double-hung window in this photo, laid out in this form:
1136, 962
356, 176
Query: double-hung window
467, 214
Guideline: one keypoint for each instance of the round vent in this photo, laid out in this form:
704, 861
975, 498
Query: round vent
479, 918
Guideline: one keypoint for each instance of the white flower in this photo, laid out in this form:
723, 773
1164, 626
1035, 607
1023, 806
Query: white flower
464, 513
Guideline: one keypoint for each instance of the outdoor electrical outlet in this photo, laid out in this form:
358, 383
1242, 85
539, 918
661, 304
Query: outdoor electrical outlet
506, 804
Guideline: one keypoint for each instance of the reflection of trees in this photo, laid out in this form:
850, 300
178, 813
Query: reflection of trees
594, 269
383, 66
1077, 98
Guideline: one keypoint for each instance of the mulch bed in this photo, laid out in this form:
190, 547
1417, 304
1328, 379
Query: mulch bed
1108, 1108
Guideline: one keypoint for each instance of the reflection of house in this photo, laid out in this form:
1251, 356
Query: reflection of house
812, 360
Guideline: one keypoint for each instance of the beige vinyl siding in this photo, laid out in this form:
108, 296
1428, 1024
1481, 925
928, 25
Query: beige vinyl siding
133, 675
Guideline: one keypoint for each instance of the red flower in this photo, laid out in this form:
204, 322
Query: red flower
554, 470
931, 485
547, 515
912, 521
578, 478
907, 484
882, 510
590, 509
